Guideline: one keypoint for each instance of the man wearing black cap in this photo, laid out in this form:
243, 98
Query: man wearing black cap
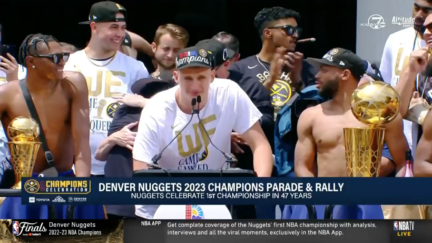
108, 71
320, 128
195, 109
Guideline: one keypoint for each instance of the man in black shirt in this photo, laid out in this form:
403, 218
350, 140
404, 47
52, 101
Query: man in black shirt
277, 66
119, 158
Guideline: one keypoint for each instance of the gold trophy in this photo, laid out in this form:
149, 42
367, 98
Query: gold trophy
373, 104
23, 148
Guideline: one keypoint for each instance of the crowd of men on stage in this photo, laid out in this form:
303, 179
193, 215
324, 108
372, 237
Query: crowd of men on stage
301, 105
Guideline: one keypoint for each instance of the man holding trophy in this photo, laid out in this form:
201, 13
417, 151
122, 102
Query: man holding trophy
320, 128
344, 136
58, 105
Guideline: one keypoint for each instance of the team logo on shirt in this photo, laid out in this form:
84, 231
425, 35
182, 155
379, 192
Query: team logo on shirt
111, 109
280, 93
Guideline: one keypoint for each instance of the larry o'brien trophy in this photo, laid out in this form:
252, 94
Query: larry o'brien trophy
374, 104
23, 148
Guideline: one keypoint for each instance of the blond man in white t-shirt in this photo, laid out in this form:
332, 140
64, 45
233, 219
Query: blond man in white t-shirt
224, 108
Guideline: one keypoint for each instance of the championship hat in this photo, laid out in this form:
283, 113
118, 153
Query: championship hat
193, 57
341, 58
105, 11
217, 50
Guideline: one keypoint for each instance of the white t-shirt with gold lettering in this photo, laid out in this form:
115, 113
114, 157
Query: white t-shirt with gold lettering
104, 79
228, 108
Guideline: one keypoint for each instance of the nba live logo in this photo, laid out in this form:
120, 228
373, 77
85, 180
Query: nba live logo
15, 227
395, 226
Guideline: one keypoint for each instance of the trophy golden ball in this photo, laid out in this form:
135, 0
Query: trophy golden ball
24, 129
375, 103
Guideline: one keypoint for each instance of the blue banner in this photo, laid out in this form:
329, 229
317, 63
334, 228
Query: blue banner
229, 191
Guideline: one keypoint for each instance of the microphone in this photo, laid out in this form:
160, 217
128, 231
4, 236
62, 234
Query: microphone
229, 158
377, 71
306, 40
158, 156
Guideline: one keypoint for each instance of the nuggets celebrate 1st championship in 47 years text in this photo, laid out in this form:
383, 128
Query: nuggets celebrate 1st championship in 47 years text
220, 190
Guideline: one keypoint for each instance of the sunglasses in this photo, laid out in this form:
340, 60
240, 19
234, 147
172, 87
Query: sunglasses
289, 30
56, 57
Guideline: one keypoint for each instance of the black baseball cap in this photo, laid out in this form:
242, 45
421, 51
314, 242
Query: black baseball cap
218, 51
127, 41
341, 58
105, 11
194, 57
148, 87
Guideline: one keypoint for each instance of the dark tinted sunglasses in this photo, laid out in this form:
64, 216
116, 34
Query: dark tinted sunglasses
56, 57
289, 30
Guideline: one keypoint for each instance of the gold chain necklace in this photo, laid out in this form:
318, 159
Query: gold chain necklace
98, 65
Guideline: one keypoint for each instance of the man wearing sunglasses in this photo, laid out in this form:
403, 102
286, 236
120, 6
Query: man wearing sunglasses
277, 65
60, 100
108, 71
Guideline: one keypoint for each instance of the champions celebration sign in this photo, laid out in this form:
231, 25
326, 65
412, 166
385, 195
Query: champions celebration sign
376, 20
227, 191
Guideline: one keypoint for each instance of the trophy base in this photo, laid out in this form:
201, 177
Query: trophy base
363, 151
405, 211
17, 186
23, 157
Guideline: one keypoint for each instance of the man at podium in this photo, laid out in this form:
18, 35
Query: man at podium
189, 127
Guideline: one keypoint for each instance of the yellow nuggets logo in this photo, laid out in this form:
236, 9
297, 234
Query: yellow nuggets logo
111, 109
280, 93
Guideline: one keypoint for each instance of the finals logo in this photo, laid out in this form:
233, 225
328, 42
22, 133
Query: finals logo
20, 228
59, 186
403, 228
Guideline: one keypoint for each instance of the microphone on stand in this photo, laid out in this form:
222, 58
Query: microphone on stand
229, 158
377, 71
158, 156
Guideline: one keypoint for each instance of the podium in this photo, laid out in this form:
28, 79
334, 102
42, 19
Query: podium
193, 211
